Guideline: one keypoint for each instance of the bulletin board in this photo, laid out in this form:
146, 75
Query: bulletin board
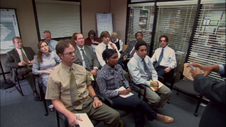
9, 28
104, 23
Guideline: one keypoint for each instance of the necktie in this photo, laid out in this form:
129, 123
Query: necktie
24, 58
106, 46
146, 69
160, 59
131, 55
73, 88
86, 60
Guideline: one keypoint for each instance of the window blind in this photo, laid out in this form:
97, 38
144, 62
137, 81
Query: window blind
208, 45
140, 19
62, 18
176, 22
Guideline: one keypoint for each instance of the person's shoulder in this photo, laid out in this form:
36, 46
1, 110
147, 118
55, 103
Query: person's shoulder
88, 47
11, 51
79, 68
132, 61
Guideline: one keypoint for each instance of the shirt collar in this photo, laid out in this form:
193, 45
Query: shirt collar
80, 48
115, 40
43, 54
166, 47
138, 57
111, 70
66, 68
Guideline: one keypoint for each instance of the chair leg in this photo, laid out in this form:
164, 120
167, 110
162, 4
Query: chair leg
58, 121
19, 88
43, 99
197, 107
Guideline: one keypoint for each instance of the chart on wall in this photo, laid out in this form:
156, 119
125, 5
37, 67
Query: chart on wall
8, 29
104, 23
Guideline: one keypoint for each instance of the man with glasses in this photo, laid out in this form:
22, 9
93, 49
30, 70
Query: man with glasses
69, 88
165, 57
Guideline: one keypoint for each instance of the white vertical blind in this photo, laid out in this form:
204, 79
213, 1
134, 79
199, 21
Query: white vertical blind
208, 45
176, 22
61, 18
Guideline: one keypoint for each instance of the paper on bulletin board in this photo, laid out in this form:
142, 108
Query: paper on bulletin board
104, 23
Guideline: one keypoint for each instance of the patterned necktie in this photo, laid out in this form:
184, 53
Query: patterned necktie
85, 60
160, 59
131, 55
146, 69
73, 88
24, 58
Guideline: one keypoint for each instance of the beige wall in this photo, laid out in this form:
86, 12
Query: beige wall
119, 10
89, 10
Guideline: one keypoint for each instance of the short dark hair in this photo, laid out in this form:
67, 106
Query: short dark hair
104, 34
167, 40
61, 45
107, 53
92, 32
140, 43
75, 36
16, 38
137, 33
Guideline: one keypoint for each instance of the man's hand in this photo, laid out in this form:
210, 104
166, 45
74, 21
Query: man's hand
207, 69
94, 72
196, 72
73, 119
155, 84
97, 103
168, 69
22, 63
31, 62
112, 45
47, 71
123, 92
128, 89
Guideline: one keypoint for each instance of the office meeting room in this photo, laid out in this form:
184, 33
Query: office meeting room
112, 63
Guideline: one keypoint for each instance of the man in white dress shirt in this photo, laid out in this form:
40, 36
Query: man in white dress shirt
165, 57
106, 43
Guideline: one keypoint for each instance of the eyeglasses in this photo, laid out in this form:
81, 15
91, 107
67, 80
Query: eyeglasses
70, 53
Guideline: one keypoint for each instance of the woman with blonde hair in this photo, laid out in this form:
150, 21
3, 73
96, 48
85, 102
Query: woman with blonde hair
45, 62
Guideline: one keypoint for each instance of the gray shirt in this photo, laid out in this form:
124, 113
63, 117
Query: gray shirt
110, 79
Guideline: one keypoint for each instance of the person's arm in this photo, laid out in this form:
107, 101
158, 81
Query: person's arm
121, 45
35, 67
208, 87
153, 58
115, 48
10, 61
56, 57
99, 56
135, 72
173, 61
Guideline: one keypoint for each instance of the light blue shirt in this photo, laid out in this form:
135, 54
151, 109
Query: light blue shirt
136, 68
47, 64
52, 45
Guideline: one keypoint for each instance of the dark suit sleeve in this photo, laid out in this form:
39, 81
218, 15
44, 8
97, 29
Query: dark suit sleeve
95, 61
210, 88
10, 61
30, 53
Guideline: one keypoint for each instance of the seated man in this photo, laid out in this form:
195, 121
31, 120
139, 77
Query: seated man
165, 57
142, 71
20, 59
51, 43
105, 44
70, 90
85, 55
130, 50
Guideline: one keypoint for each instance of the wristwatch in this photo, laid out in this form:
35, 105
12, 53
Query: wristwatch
95, 96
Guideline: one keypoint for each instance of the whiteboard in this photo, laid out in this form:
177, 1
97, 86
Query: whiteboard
8, 29
104, 23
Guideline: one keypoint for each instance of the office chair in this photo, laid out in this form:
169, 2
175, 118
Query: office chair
185, 86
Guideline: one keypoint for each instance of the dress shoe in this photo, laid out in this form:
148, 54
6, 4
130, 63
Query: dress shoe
164, 119
36, 96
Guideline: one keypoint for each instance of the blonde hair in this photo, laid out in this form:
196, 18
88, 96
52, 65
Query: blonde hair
114, 34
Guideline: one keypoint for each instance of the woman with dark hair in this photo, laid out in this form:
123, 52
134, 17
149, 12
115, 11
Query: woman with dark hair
92, 39
111, 78
45, 61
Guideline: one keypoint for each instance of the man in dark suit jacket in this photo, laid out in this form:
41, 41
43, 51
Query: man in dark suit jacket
130, 50
215, 112
19, 60
93, 64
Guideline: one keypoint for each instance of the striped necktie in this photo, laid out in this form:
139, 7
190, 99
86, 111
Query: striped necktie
160, 58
